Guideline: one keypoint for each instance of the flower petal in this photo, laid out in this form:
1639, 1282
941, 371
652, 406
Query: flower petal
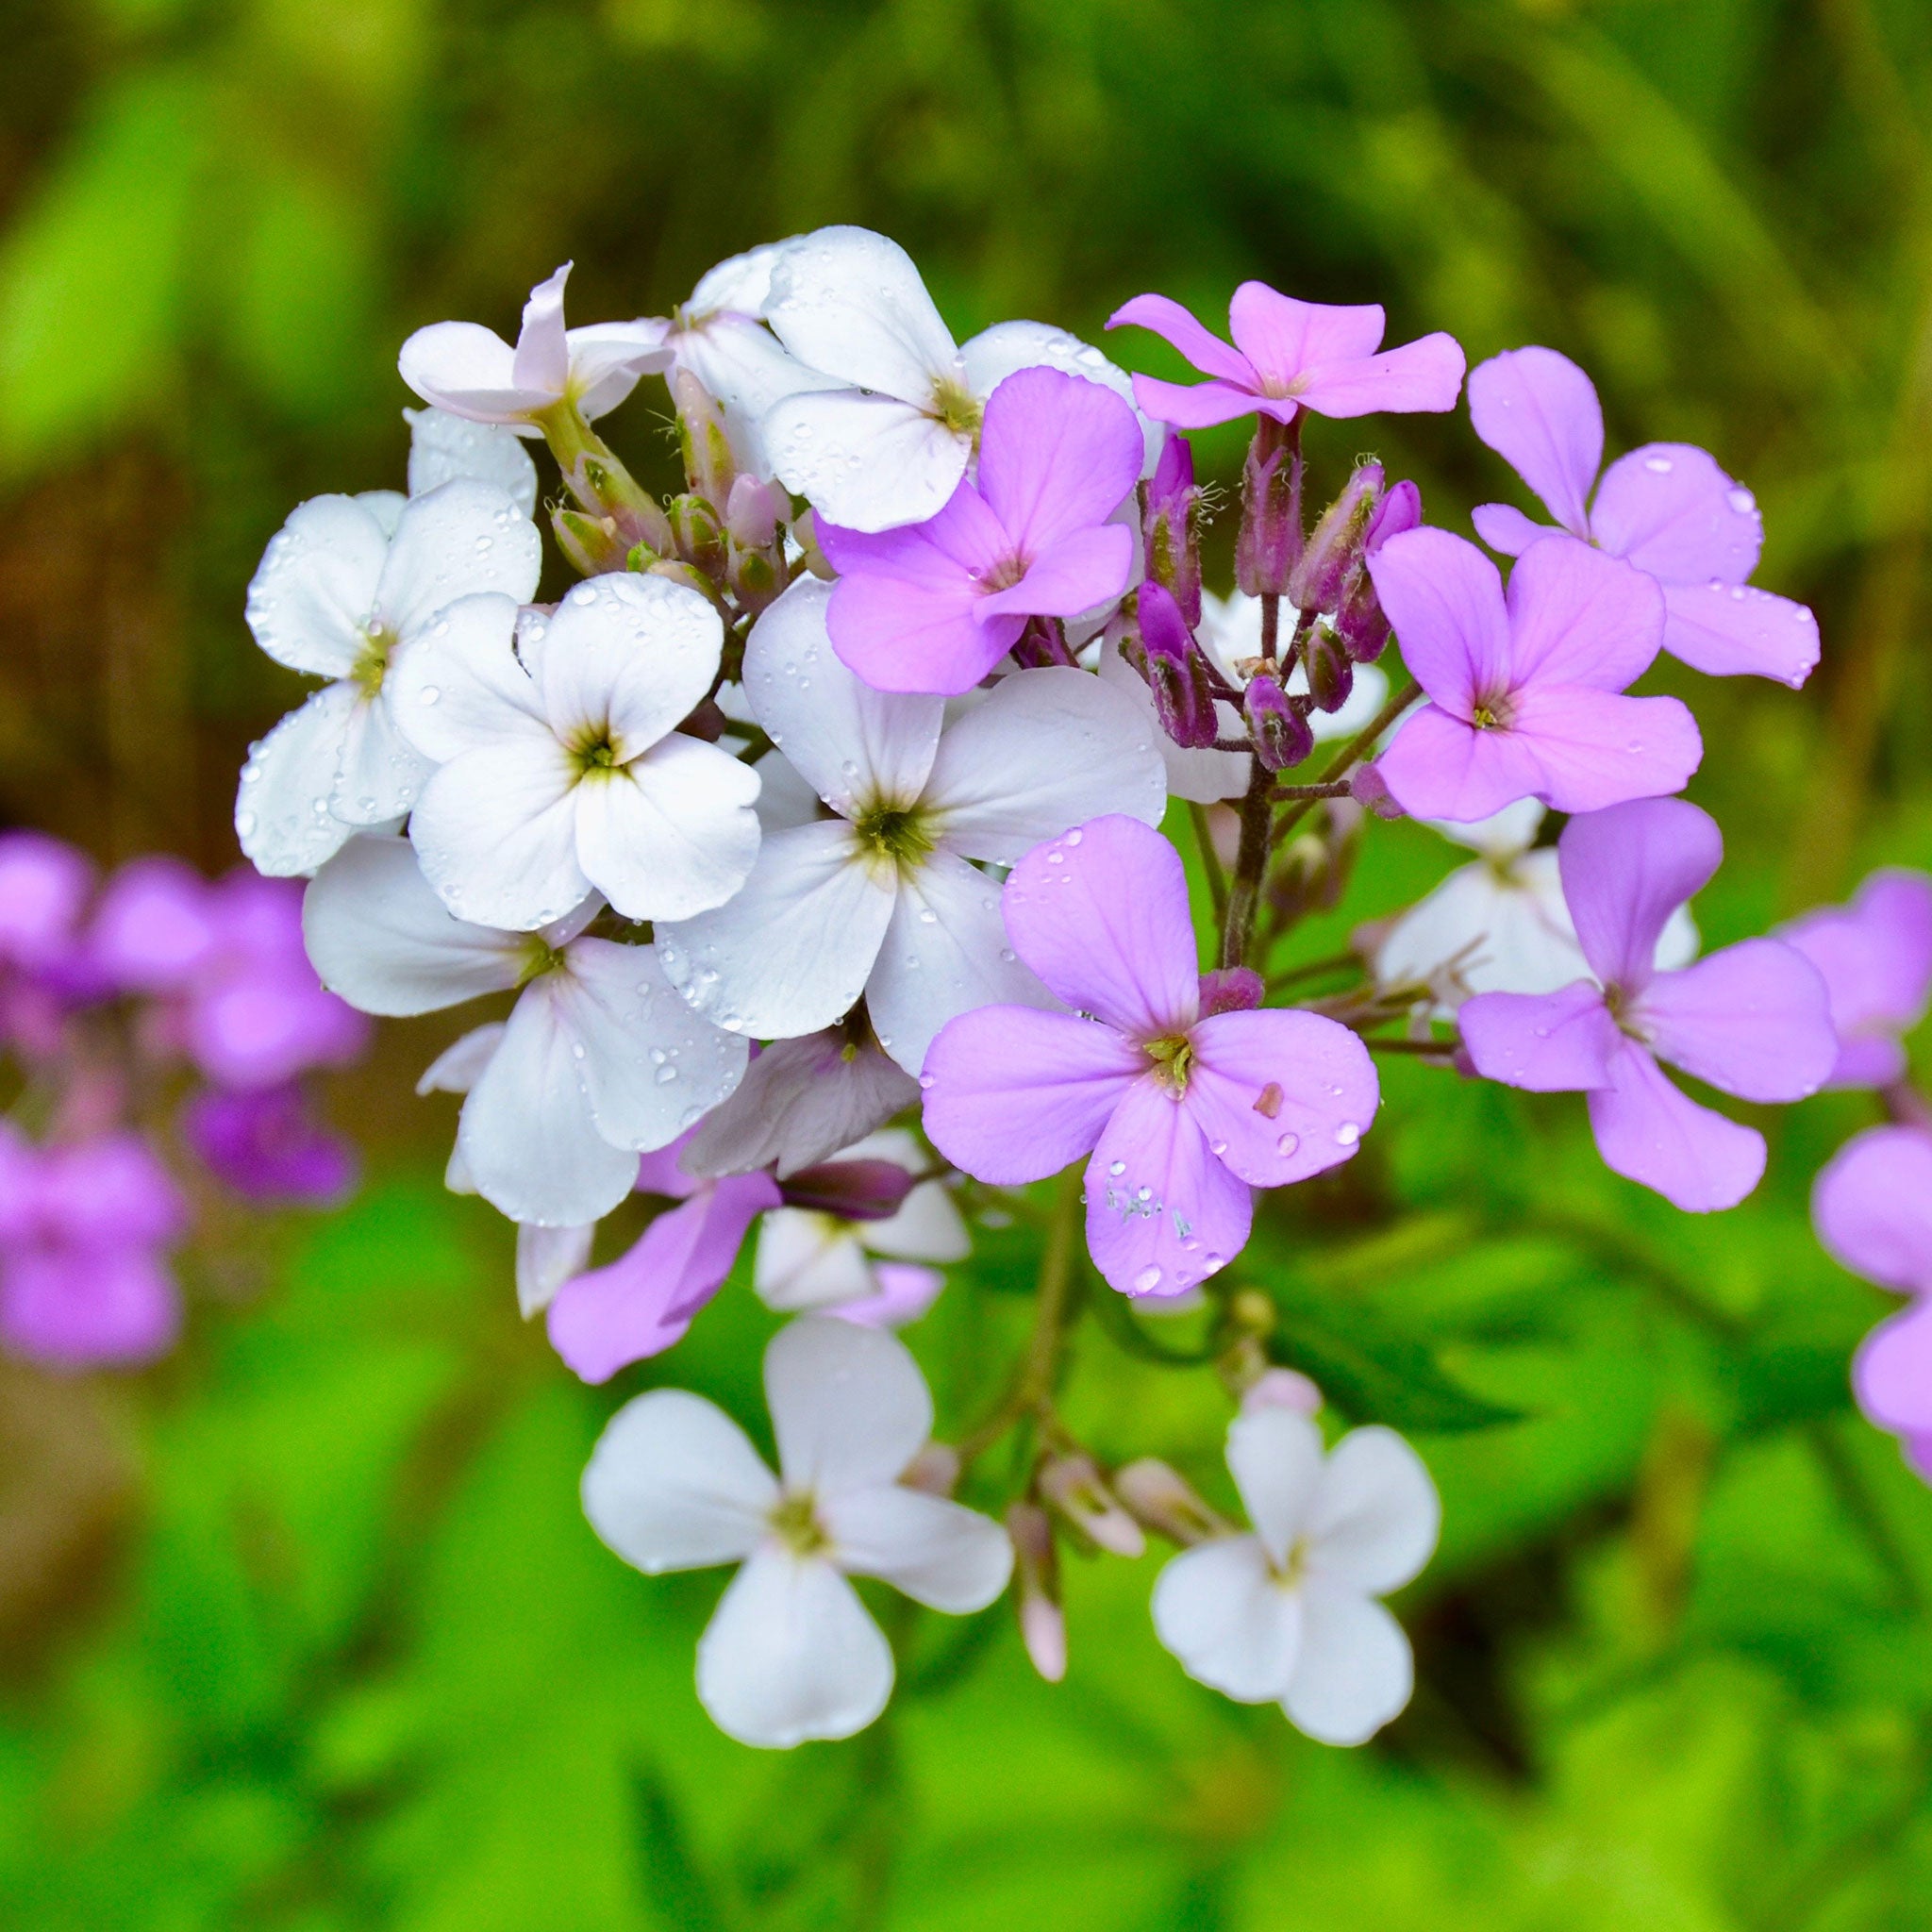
314, 593
1876, 957
1281, 337
1505, 528
944, 953
1753, 1019
1626, 871
608, 357
1670, 511
926, 1227
1274, 1456
1445, 598
460, 685
1167, 319
864, 462
1218, 1608
1013, 1095
1873, 1207
938, 1552
1057, 455
1596, 749
857, 747
1045, 750
462, 539
382, 940
444, 447
546, 1258
850, 302
1077, 572
1203, 777
379, 772
1552, 1042
541, 360
849, 1407
791, 1656
674, 1484
1892, 1372
807, 1260
1578, 617
1356, 1670
1731, 630
791, 952
70, 1310
670, 834
1162, 1212
1201, 405
1540, 413
1376, 1514
998, 352
1438, 766
1649, 1132
1486, 930
282, 820
1101, 914
1280, 1096
469, 371
1424, 375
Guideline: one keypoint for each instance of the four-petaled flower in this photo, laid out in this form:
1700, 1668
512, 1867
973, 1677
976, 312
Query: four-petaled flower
1666, 507
880, 900
1291, 356
1524, 691
1289, 1614
1186, 1114
791, 1654
1749, 1020
935, 607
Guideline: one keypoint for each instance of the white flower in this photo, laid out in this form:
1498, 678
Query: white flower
598, 1061
801, 1100
863, 1269
444, 447
1501, 925
881, 900
890, 445
558, 765
1289, 1614
1229, 634
791, 1654
471, 371
346, 591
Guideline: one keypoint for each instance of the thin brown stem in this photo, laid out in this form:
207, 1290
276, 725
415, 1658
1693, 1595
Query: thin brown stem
1251, 862
1356, 749
1211, 859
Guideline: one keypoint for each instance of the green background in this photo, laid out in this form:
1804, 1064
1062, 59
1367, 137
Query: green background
303, 1629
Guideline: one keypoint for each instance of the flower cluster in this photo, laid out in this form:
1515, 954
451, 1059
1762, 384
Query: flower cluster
110, 992
811, 845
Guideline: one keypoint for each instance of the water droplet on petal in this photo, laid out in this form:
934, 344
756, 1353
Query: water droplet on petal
1658, 466
1347, 1134
1147, 1280
1286, 1145
1119, 1167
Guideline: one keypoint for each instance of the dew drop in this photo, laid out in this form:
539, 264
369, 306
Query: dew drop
428, 694
1147, 1280
1286, 1145
1347, 1134
1741, 500
1658, 466
1056, 858
666, 1074
1074, 837
1119, 1167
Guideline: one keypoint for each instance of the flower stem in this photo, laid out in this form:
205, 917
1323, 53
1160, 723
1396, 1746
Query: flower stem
1356, 749
1251, 862
1211, 859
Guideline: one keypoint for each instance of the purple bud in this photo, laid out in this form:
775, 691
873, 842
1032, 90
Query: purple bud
1400, 510
1172, 527
851, 1190
1367, 786
752, 512
1282, 1389
1036, 1571
1331, 676
1335, 551
1176, 673
1073, 1486
1043, 643
1270, 542
1230, 990
1280, 734
1164, 1501
267, 1146
1363, 628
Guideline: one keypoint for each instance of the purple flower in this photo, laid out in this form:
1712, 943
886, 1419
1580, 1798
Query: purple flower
935, 606
1751, 1020
82, 1229
1875, 956
43, 886
1666, 507
1291, 356
1185, 1115
1525, 689
267, 1146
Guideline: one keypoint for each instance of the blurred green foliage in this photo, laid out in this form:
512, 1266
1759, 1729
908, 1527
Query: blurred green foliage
348, 1656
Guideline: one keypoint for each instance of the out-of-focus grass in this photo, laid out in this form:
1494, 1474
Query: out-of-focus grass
342, 1653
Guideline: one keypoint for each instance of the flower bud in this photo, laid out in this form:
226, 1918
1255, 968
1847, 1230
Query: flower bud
1311, 872
851, 1190
1360, 622
1073, 1486
1270, 542
1230, 990
1280, 734
1175, 671
1334, 553
1172, 527
1043, 643
590, 545
709, 463
933, 1472
604, 488
1331, 675
1042, 1623
1165, 1503
752, 512
695, 531
1368, 787
752, 576
1282, 1389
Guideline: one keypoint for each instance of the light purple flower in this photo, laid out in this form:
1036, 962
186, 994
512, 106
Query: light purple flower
1751, 1020
1185, 1115
268, 1146
1872, 1205
1875, 956
1666, 507
1291, 356
43, 886
935, 606
1525, 689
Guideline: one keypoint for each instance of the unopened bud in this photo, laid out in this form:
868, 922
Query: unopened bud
604, 488
708, 462
1166, 1503
1176, 673
1074, 1485
590, 545
1036, 1572
933, 1472
752, 575
1334, 552
1282, 1389
1359, 620
1042, 643
1370, 789
752, 512
1311, 872
1253, 1311
1230, 990
696, 533
676, 571
1279, 733
863, 1189
1270, 542
1331, 676
1172, 527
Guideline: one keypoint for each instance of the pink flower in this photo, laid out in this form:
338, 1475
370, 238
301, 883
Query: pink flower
1291, 356
1185, 1115
266, 1145
1665, 507
1525, 689
933, 606
1875, 956
1751, 1020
